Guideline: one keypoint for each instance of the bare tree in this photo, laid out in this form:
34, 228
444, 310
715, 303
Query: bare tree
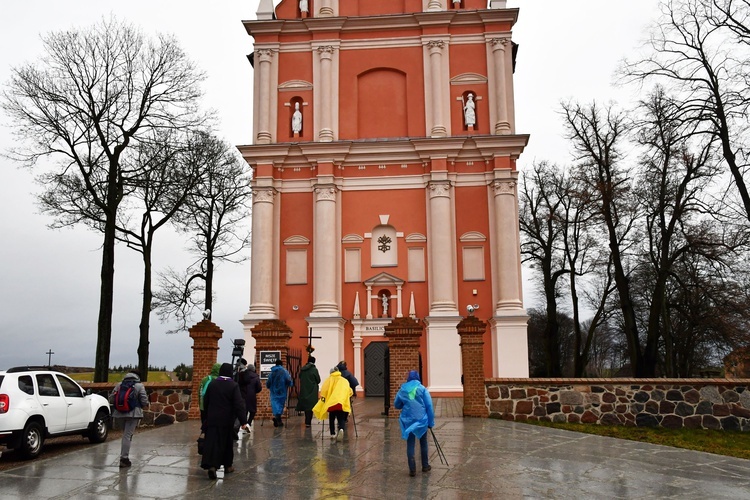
216, 214
700, 51
97, 92
597, 136
540, 218
169, 172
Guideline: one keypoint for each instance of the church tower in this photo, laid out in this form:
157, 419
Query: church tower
384, 180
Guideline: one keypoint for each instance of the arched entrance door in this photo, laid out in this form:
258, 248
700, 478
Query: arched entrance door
375, 369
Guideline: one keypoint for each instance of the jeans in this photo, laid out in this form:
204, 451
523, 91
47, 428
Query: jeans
410, 442
128, 428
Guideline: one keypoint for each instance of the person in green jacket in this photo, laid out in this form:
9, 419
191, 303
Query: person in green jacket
204, 385
309, 380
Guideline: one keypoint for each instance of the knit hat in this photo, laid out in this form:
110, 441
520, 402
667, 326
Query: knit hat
251, 368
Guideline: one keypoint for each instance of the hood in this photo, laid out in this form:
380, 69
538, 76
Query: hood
225, 370
410, 388
215, 369
308, 366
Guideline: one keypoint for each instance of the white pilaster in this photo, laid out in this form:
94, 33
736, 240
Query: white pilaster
325, 54
264, 96
498, 84
436, 61
442, 278
324, 252
510, 349
329, 348
261, 266
443, 354
507, 245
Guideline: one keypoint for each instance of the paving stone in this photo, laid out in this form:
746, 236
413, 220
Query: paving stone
488, 458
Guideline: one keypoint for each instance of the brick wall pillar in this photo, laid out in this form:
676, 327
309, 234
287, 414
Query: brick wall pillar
205, 337
269, 335
403, 350
472, 330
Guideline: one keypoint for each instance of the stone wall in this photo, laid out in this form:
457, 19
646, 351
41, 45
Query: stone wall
670, 403
169, 402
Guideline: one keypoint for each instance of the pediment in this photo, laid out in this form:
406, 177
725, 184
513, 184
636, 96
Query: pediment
468, 79
297, 239
295, 85
384, 279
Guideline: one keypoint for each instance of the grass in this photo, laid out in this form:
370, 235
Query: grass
731, 444
118, 376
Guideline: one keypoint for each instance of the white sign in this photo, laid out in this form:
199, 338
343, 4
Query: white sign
268, 360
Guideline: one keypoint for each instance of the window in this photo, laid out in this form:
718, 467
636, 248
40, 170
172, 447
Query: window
26, 384
70, 388
47, 386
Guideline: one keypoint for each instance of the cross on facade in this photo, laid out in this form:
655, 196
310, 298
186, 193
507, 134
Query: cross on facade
309, 337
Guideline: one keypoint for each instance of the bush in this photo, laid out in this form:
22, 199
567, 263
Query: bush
184, 373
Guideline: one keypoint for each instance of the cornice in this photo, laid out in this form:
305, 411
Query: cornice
414, 20
411, 150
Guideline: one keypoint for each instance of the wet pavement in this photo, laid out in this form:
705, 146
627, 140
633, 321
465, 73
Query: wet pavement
487, 459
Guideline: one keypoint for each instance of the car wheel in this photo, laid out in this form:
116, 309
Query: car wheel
32, 440
98, 429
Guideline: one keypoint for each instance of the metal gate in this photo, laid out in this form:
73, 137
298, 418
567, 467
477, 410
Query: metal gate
375, 368
294, 365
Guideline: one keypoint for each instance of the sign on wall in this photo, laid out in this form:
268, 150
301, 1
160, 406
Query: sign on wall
267, 361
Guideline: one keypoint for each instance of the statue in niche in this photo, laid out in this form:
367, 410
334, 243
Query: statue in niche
303, 6
297, 119
470, 115
384, 300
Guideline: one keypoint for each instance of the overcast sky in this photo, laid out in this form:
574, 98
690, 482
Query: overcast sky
49, 279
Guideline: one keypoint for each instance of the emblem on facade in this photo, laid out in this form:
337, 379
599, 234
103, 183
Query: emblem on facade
385, 243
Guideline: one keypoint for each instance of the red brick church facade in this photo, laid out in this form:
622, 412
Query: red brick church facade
384, 180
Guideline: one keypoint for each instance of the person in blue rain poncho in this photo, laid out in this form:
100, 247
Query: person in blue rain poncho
278, 382
417, 415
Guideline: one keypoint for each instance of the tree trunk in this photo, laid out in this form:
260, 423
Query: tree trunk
143, 341
552, 329
106, 295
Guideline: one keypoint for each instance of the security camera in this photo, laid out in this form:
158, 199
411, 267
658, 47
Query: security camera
471, 308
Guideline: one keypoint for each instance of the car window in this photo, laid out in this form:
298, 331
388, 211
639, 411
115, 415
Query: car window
70, 388
47, 386
1, 380
26, 384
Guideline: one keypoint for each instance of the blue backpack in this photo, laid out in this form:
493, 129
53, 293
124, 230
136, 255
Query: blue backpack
126, 398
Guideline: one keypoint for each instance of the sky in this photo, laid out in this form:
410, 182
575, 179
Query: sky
49, 279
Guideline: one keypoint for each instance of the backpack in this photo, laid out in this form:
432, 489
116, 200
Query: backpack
126, 396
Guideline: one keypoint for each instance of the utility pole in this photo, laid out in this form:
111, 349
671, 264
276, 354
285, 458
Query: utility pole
49, 358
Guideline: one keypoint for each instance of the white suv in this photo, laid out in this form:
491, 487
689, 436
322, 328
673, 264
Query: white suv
36, 404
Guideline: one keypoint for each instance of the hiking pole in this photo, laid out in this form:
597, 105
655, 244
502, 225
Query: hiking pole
353, 418
439, 449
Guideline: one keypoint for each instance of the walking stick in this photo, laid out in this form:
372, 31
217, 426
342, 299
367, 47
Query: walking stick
353, 418
439, 449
